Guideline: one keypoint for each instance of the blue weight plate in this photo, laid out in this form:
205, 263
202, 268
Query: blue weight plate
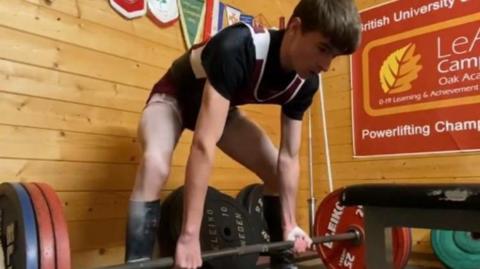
18, 227
455, 249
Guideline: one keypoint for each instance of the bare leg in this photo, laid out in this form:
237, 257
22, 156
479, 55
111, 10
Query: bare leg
159, 130
246, 143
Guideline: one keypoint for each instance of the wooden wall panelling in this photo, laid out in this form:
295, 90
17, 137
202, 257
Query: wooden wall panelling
56, 115
106, 177
45, 22
40, 51
100, 12
30, 80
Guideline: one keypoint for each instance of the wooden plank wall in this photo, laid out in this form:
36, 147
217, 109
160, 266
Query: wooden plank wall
74, 76
442, 168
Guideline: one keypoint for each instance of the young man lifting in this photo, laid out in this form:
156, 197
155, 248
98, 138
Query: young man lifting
201, 91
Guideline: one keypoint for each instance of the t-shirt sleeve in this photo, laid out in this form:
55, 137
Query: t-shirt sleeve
227, 59
302, 101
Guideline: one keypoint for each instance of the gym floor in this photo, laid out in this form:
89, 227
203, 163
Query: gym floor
313, 264
317, 264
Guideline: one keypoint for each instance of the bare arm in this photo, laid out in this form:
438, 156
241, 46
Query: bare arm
208, 130
288, 169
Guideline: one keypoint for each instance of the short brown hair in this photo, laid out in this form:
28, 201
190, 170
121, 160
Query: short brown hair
338, 20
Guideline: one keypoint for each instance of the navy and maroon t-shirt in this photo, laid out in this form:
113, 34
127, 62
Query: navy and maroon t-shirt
243, 64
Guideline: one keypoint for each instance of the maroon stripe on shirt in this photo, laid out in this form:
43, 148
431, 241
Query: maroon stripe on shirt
283, 98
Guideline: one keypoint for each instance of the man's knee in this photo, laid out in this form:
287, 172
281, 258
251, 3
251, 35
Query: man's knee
156, 167
151, 177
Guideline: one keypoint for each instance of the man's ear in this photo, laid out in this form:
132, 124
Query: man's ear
295, 24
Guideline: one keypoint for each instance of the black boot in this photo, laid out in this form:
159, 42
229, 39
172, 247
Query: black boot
142, 226
272, 212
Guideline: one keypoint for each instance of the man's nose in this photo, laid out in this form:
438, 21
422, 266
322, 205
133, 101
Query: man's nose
324, 63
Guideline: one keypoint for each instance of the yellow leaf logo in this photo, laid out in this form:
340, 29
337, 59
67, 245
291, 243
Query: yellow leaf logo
400, 69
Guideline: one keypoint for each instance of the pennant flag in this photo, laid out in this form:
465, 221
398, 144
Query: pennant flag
130, 8
246, 19
217, 20
163, 12
192, 14
213, 18
261, 21
233, 15
208, 20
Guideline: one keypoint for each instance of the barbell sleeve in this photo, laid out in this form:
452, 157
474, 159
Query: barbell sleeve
238, 251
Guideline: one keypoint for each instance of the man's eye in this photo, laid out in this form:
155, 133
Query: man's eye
322, 49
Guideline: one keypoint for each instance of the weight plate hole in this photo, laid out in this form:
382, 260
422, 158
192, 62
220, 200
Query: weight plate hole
475, 235
227, 232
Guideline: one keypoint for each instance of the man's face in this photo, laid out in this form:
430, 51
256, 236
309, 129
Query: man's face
310, 53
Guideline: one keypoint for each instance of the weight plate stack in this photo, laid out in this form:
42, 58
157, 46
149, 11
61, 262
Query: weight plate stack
60, 227
46, 239
225, 224
456, 249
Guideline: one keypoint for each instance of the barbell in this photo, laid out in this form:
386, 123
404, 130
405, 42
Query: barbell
168, 262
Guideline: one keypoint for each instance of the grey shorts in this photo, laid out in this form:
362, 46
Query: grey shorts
164, 98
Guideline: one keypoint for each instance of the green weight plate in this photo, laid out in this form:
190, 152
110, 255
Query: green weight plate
456, 251
467, 242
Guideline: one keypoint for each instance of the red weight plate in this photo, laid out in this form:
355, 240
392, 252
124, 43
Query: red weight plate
397, 241
402, 243
44, 225
332, 218
62, 241
407, 246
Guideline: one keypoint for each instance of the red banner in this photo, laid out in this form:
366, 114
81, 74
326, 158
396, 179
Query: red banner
416, 78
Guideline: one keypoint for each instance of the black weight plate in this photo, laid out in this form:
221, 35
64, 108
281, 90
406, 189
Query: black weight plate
225, 224
251, 197
244, 193
254, 205
18, 227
